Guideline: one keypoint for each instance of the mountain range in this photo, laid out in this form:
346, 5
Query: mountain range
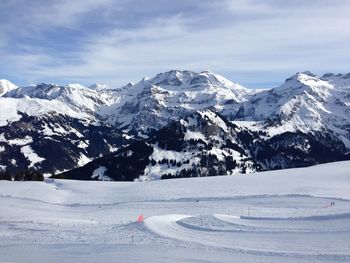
176, 124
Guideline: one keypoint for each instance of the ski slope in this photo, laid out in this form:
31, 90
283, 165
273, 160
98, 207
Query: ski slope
276, 216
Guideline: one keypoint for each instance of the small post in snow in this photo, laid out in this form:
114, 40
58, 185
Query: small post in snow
140, 219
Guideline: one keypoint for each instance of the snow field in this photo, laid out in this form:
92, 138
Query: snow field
277, 216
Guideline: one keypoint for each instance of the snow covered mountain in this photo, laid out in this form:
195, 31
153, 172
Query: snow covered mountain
99, 87
206, 144
306, 103
154, 102
303, 122
53, 142
6, 86
188, 146
53, 128
76, 97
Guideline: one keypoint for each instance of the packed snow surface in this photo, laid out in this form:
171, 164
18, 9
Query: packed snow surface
276, 216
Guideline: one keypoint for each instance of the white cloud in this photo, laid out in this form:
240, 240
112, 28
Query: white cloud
249, 37
59, 13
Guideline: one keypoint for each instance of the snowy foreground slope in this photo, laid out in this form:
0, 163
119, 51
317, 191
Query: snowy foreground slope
276, 216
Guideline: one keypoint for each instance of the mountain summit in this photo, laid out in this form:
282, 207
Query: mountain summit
6, 86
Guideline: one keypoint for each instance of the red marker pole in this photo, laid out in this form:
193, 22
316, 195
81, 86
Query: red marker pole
140, 219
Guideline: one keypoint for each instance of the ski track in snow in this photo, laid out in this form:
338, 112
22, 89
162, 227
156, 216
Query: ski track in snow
205, 230
326, 234
185, 220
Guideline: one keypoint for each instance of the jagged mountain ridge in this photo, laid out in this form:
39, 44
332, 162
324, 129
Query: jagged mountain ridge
306, 107
154, 102
76, 96
305, 103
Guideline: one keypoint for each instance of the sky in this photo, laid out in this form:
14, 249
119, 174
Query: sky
255, 43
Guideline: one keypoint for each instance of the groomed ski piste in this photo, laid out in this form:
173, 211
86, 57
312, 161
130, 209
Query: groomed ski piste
294, 215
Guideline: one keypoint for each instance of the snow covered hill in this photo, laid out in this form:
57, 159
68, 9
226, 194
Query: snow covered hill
200, 145
303, 122
274, 216
207, 144
53, 143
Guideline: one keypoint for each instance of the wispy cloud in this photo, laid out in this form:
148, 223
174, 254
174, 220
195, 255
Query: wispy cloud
40, 15
118, 41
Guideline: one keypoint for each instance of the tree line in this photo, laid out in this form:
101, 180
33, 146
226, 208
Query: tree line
29, 175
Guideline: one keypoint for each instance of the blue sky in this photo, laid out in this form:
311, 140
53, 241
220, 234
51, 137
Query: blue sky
256, 43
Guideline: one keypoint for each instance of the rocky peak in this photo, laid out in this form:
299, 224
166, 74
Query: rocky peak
6, 86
